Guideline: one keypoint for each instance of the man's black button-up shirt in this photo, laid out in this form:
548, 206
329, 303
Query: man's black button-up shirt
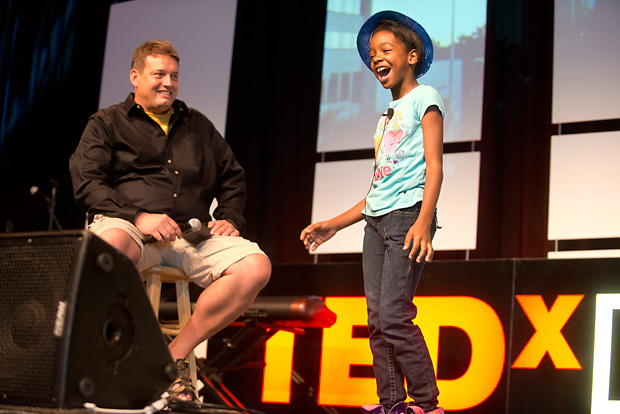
125, 163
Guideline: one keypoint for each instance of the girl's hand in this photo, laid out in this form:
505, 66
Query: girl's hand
316, 234
419, 237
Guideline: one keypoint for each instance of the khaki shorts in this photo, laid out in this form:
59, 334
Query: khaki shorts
203, 263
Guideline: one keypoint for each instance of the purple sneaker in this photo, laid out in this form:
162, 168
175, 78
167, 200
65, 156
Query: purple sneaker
414, 409
400, 408
372, 409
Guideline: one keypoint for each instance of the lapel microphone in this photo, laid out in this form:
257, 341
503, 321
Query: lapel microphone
389, 113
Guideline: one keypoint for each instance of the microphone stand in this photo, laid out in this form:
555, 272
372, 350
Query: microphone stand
51, 206
50, 203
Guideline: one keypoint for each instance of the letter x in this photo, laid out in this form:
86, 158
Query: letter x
548, 336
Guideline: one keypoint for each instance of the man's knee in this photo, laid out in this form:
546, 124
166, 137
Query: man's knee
255, 269
122, 241
261, 269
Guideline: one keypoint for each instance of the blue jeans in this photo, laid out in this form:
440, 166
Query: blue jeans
397, 344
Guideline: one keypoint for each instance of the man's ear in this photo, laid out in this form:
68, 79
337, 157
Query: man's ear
133, 77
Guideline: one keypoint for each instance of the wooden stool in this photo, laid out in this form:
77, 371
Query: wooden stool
154, 277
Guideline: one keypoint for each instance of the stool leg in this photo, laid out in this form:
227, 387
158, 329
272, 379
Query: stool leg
153, 291
185, 312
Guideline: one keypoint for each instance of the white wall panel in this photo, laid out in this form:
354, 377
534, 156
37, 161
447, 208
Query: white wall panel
584, 188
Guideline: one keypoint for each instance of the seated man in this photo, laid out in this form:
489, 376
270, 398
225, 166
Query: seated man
144, 165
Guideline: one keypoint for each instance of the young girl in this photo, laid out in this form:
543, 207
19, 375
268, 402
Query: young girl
399, 210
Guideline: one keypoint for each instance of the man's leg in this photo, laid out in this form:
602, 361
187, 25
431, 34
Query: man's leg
122, 241
222, 302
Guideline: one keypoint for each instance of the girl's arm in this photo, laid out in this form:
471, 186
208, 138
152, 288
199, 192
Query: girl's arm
419, 235
316, 234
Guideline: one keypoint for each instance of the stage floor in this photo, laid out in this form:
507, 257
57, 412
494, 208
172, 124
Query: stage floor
14, 409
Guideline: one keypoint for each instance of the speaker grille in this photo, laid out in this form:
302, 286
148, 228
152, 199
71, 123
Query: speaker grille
108, 350
34, 277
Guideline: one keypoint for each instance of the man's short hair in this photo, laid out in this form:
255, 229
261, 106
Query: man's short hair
152, 48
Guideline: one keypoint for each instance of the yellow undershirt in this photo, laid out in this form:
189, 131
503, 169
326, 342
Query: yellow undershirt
162, 119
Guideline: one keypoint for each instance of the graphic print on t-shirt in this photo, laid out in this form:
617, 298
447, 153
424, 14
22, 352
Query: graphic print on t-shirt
387, 140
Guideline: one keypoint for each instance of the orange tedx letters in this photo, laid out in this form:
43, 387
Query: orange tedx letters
477, 319
278, 368
548, 337
340, 350
488, 346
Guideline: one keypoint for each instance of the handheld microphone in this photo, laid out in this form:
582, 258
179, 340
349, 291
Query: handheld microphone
193, 225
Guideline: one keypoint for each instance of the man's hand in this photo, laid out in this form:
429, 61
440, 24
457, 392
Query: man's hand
222, 228
160, 226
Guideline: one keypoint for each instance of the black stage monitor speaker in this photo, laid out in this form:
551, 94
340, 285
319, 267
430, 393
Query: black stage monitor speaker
76, 325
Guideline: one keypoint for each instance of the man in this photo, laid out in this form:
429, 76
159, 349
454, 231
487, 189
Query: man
144, 165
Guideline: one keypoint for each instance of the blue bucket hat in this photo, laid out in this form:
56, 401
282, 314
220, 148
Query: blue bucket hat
363, 37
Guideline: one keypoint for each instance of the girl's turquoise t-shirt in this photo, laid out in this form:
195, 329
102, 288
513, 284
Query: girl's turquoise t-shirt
400, 167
